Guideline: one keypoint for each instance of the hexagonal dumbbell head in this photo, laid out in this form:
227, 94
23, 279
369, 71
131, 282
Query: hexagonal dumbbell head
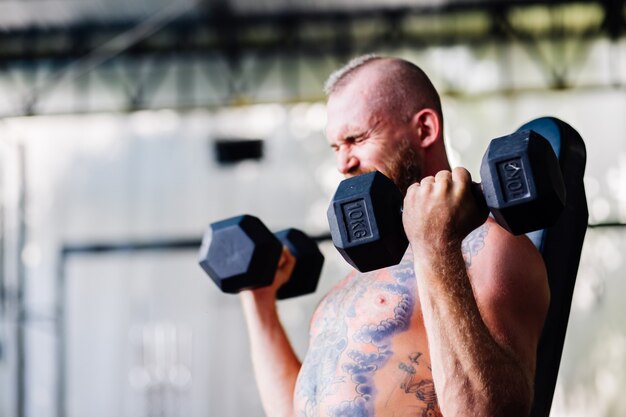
365, 221
309, 262
240, 253
522, 182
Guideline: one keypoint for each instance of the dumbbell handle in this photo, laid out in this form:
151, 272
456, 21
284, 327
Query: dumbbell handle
477, 191
479, 196
350, 218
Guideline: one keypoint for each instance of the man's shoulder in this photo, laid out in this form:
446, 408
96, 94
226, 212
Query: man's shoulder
507, 272
491, 246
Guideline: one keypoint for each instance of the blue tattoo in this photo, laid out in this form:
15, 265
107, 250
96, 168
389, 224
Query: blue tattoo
473, 243
318, 369
377, 333
364, 365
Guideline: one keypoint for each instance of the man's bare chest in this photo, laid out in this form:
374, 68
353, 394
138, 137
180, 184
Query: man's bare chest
368, 352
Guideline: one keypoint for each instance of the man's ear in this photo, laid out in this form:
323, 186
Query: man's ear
427, 125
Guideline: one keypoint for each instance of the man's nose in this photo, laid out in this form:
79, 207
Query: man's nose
346, 161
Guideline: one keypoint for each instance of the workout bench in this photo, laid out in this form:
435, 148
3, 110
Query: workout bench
560, 246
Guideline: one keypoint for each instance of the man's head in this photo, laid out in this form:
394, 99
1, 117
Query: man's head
384, 114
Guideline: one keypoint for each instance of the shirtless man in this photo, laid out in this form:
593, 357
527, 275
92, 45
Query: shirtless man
453, 329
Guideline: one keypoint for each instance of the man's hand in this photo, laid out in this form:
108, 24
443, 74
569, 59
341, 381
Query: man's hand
441, 210
283, 272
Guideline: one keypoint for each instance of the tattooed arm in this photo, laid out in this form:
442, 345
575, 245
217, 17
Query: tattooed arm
483, 300
276, 365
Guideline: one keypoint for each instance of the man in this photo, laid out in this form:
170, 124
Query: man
453, 329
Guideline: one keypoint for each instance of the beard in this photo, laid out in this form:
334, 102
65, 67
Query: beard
405, 168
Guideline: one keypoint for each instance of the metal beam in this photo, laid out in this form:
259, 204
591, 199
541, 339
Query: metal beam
220, 43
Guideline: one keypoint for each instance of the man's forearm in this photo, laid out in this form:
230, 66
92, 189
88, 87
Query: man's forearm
276, 365
473, 374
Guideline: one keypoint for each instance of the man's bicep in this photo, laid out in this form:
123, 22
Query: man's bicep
511, 289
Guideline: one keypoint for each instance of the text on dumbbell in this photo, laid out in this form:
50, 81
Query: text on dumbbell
513, 179
357, 222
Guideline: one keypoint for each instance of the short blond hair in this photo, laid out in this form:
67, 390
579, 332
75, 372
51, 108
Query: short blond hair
342, 75
405, 87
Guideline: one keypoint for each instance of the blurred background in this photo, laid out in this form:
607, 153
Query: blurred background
114, 118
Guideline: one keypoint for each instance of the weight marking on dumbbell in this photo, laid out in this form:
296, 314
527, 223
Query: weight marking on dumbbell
512, 175
355, 216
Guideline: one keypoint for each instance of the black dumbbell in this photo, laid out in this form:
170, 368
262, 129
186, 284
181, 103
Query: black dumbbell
522, 186
240, 253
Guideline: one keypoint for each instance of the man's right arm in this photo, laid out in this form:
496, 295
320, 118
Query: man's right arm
275, 363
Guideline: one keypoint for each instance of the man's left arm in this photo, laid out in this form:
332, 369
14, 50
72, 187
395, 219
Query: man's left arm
483, 306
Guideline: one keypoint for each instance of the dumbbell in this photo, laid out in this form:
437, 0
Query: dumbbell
522, 186
241, 253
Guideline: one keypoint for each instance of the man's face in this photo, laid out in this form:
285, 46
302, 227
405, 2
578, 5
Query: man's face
365, 137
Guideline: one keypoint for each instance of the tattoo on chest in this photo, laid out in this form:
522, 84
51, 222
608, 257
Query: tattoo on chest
317, 377
342, 355
423, 389
473, 243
